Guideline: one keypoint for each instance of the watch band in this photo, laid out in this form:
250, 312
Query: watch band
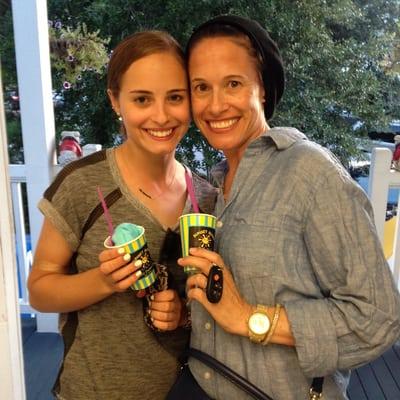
273, 325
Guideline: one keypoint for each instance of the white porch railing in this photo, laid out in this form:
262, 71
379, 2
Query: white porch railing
381, 179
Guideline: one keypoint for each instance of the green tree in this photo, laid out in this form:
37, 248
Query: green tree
333, 52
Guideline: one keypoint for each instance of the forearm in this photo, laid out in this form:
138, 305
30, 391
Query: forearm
55, 292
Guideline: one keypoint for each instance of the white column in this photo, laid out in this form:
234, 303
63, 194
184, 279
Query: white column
37, 114
12, 384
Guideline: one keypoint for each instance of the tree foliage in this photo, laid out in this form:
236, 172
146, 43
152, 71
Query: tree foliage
334, 52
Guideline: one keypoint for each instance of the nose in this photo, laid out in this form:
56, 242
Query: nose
218, 102
160, 115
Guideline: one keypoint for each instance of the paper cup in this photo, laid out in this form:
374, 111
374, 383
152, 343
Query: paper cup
197, 230
138, 250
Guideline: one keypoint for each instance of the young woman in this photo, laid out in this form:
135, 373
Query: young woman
110, 352
307, 291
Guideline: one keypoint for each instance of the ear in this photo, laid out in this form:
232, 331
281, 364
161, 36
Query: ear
114, 101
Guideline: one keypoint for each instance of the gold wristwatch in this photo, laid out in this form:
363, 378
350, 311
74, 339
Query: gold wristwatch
259, 324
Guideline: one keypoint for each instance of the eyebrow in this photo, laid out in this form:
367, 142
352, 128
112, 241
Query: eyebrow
225, 78
149, 92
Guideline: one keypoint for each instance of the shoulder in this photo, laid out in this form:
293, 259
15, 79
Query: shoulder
76, 174
301, 154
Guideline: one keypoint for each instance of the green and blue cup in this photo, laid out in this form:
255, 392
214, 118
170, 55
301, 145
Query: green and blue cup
137, 248
197, 230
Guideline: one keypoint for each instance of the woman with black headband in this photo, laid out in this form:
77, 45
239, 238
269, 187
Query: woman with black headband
306, 289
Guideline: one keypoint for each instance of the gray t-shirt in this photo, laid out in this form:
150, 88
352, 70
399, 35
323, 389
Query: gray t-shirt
110, 352
297, 230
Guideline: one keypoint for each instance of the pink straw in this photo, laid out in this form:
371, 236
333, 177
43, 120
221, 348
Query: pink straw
189, 185
107, 215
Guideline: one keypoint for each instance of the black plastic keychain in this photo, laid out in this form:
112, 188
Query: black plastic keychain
215, 284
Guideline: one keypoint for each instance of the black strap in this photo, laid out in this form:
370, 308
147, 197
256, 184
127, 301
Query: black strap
229, 374
242, 383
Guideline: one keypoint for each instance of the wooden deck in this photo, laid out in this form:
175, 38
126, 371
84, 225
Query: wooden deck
379, 380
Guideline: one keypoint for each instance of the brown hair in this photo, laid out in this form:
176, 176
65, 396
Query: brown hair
135, 47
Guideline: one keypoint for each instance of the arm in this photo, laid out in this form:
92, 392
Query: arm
52, 289
358, 318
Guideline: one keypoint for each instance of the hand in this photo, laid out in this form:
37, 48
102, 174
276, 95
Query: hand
166, 310
119, 273
232, 311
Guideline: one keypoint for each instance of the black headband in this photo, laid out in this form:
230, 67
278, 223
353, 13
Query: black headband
273, 75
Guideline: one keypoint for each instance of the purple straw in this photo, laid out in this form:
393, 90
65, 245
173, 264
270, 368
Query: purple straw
107, 215
189, 185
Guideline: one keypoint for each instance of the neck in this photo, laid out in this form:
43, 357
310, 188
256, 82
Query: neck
234, 156
146, 167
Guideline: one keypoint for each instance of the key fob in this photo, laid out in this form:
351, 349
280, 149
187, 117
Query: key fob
215, 284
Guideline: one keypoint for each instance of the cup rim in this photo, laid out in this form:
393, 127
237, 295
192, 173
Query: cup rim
123, 244
208, 215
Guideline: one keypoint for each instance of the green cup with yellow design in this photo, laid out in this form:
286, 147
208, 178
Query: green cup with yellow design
196, 230
137, 248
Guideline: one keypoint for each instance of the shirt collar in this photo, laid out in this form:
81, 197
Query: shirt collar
281, 137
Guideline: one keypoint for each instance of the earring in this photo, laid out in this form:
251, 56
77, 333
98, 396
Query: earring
119, 118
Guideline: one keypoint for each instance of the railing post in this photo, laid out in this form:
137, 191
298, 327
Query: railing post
37, 114
378, 186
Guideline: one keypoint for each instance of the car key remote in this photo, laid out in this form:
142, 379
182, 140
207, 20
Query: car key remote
215, 284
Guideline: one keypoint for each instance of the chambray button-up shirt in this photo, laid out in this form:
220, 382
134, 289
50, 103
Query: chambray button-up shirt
297, 230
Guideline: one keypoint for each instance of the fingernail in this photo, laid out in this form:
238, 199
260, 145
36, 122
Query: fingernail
152, 297
152, 319
138, 263
127, 257
121, 250
138, 273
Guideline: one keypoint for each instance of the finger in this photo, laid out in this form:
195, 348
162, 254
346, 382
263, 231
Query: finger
199, 295
212, 256
165, 306
125, 271
126, 283
200, 263
109, 254
165, 326
112, 265
197, 280
163, 316
165, 295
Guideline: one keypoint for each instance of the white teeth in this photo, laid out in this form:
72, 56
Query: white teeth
223, 124
160, 133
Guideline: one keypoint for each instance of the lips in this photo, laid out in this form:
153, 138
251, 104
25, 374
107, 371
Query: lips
223, 124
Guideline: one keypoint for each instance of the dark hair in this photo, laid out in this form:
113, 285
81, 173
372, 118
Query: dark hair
260, 46
135, 47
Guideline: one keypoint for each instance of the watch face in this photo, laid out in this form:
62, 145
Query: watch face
259, 323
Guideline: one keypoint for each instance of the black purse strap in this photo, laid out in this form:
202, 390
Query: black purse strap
242, 383
229, 374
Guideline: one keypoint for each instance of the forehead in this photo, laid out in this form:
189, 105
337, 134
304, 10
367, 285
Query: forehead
155, 70
226, 53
